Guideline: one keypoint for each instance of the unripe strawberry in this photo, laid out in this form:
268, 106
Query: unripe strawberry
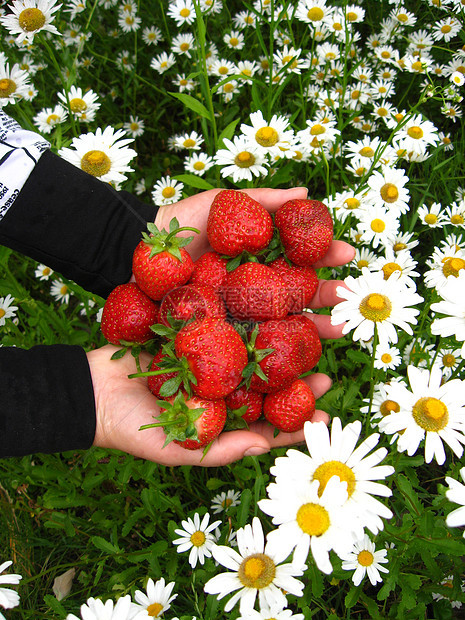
288, 409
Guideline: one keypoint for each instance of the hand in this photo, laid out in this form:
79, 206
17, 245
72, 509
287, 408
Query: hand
123, 405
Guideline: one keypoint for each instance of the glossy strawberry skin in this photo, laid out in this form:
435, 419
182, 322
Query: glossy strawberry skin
189, 301
242, 397
208, 425
238, 223
128, 314
306, 230
285, 363
288, 409
155, 382
157, 275
215, 354
210, 269
301, 283
311, 347
255, 291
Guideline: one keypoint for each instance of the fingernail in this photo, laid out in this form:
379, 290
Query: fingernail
255, 451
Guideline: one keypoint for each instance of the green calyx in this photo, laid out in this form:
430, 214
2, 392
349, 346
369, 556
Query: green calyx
255, 356
177, 420
164, 241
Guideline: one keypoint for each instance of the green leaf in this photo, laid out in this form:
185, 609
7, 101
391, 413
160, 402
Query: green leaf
413, 504
192, 180
55, 605
246, 500
352, 596
193, 104
105, 545
228, 131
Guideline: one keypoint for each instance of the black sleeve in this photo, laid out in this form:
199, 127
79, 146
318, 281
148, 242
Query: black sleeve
46, 400
76, 225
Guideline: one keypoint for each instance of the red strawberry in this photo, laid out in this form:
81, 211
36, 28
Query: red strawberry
256, 291
189, 301
309, 333
237, 223
215, 354
244, 406
128, 314
284, 363
289, 408
301, 282
160, 262
210, 269
155, 382
306, 230
190, 422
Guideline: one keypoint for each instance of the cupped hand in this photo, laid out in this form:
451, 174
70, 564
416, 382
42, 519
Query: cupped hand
123, 405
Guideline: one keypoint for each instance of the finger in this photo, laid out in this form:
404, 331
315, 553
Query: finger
324, 326
326, 294
272, 199
339, 253
319, 383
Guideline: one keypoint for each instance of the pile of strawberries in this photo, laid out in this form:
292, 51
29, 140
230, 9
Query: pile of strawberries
227, 331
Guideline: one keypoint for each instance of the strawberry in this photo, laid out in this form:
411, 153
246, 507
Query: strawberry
191, 301
256, 291
210, 269
288, 409
128, 315
237, 223
311, 340
306, 230
284, 361
301, 282
160, 261
244, 407
215, 355
191, 422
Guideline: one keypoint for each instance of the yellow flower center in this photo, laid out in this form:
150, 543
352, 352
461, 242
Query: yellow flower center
365, 558
337, 26
223, 70
360, 171
313, 519
452, 266
351, 16
362, 263
163, 64
267, 136
375, 307
188, 143
248, 19
257, 571
389, 406
381, 112
317, 129
352, 203
53, 119
355, 94
377, 225
31, 19
449, 360
226, 502
184, 12
402, 17
457, 219
46, 271
244, 159
315, 14
445, 29
168, 192
198, 538
96, 163
154, 610
324, 472
399, 246
234, 41
366, 151
389, 192
228, 88
431, 219
430, 414
386, 358
184, 47
199, 165
63, 289
7, 87
389, 268
77, 105
2, 313
415, 132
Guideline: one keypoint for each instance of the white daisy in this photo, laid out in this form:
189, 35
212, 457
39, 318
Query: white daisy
448, 584
241, 159
191, 141
448, 359
103, 154
197, 537
416, 135
378, 225
418, 352
182, 11
163, 62
430, 410
60, 291
42, 272
152, 35
256, 568
347, 203
373, 301
28, 17
309, 518
432, 215
129, 22
313, 12
387, 357
403, 241
452, 307
95, 609
455, 214
274, 138
134, 126
401, 262
48, 118
387, 189
225, 500
365, 560
198, 163
364, 257
8, 597
444, 264
183, 43
167, 191
83, 106
14, 83
456, 494
155, 601
7, 310
234, 39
